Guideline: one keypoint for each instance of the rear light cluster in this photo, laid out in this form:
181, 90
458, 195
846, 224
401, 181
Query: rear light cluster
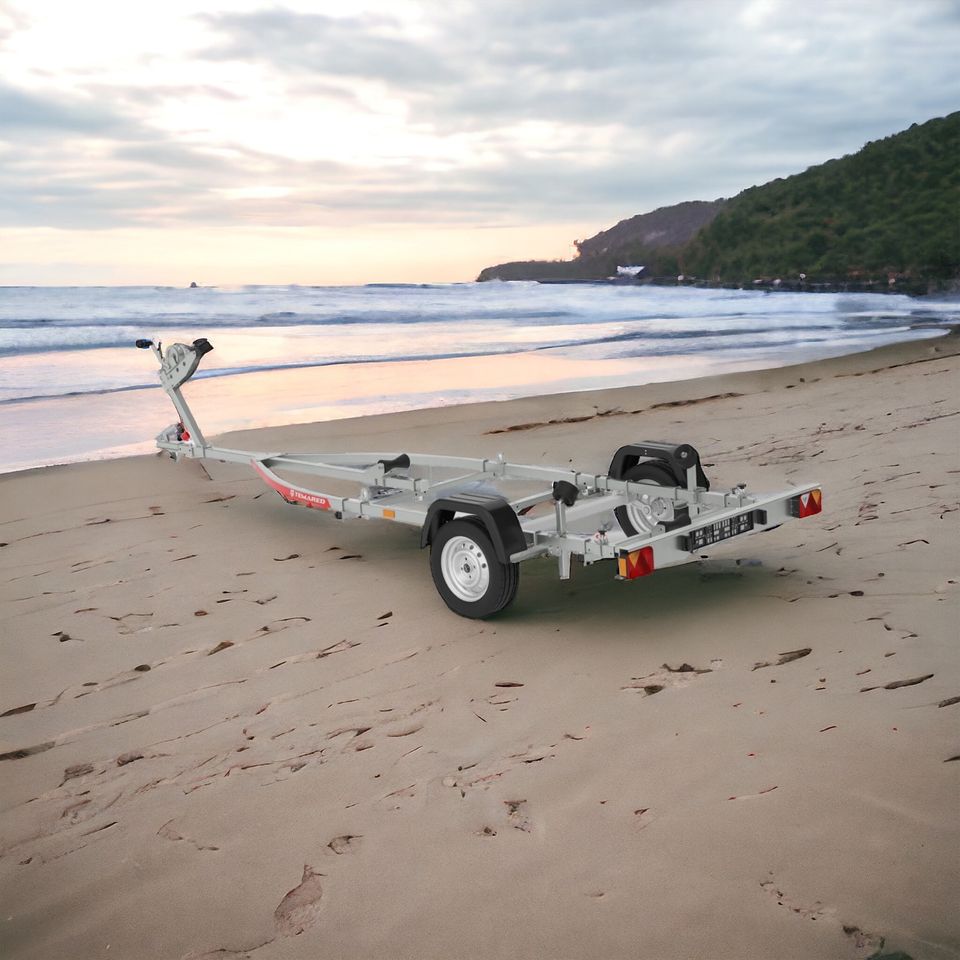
807, 504
636, 563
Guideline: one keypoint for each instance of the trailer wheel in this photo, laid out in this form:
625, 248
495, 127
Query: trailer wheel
630, 516
468, 576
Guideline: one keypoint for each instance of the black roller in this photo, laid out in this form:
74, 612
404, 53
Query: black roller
565, 492
401, 462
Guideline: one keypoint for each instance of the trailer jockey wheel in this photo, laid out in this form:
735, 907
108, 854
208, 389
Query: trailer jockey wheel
467, 573
631, 516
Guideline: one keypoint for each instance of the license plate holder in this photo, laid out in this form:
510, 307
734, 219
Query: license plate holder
717, 532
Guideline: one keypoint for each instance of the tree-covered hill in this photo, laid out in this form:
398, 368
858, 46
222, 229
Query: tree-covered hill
890, 210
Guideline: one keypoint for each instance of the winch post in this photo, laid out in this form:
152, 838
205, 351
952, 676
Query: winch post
176, 367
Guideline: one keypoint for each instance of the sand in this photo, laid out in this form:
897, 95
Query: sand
232, 729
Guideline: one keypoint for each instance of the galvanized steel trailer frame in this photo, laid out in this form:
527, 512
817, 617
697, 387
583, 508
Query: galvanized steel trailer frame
666, 517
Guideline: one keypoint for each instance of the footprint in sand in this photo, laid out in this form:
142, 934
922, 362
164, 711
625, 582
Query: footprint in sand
348, 843
300, 908
668, 676
754, 796
131, 623
788, 657
169, 832
517, 815
13, 711
866, 944
870, 943
228, 953
404, 731
86, 808
355, 743
897, 684
814, 911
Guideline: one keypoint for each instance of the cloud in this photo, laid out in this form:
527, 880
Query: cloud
662, 66
476, 113
758, 78
70, 162
366, 46
482, 65
133, 97
22, 112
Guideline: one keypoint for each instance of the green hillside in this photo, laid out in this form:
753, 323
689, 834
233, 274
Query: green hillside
891, 209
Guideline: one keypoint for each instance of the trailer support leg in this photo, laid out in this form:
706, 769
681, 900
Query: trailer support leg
561, 514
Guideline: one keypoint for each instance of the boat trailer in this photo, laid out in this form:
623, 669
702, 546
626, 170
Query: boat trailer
481, 518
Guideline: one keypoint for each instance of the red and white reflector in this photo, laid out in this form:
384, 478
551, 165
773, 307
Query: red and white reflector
807, 504
636, 563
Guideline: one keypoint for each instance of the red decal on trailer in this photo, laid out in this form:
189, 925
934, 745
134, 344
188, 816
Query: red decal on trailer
292, 494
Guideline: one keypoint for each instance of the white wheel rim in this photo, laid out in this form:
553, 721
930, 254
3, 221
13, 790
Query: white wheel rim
640, 516
464, 568
645, 514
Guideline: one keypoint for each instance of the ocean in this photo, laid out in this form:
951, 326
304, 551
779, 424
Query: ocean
73, 388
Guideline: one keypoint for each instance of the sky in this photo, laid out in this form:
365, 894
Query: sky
286, 141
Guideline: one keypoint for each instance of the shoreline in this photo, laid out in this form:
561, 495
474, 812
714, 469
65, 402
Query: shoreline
121, 422
931, 287
612, 399
201, 683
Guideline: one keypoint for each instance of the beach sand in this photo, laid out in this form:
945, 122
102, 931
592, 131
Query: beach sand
231, 729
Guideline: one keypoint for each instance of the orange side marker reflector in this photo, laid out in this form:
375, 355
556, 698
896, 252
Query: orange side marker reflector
637, 563
389, 514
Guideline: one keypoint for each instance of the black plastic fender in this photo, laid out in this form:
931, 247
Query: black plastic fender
498, 518
677, 457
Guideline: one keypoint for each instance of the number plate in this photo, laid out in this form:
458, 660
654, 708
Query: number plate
715, 532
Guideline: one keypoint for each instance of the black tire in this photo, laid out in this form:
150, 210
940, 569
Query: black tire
486, 585
652, 470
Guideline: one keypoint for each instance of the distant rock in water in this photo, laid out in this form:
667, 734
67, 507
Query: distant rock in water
193, 284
